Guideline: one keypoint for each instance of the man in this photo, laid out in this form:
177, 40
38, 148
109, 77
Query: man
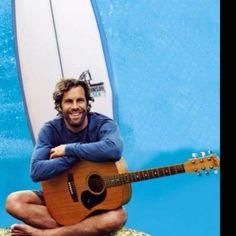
75, 134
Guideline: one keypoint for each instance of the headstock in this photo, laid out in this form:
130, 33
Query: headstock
202, 163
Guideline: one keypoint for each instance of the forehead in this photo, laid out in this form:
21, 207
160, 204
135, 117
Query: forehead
74, 92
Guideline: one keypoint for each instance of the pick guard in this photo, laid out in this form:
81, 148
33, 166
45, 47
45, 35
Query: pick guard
91, 200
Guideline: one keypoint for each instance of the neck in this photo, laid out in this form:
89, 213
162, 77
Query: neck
126, 178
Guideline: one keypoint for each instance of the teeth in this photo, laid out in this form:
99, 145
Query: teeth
75, 114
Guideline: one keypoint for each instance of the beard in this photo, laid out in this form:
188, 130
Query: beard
75, 123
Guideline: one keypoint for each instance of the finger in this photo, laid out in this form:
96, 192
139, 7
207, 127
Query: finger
52, 150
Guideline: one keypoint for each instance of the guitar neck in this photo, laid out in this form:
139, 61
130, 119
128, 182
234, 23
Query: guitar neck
136, 176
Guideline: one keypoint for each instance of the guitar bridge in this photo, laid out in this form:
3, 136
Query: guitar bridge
71, 187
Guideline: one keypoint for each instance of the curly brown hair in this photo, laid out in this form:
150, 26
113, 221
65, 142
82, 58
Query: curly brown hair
64, 85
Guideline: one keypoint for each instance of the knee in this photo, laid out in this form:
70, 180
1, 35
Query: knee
13, 203
121, 217
117, 220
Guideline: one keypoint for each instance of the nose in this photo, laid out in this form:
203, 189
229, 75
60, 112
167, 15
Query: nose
75, 105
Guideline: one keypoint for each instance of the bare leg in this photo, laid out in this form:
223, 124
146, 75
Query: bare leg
99, 225
28, 207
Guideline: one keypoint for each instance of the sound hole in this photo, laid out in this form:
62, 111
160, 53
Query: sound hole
96, 183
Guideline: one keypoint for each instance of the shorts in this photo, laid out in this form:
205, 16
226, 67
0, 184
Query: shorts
39, 193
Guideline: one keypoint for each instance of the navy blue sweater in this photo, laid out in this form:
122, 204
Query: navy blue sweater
100, 141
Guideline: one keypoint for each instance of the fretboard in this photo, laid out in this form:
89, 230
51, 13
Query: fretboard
126, 178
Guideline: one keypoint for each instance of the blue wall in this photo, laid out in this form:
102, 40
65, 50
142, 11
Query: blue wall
166, 75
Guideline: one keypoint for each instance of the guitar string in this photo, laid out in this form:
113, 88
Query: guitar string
126, 178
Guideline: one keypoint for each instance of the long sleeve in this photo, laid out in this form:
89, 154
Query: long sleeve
100, 141
108, 147
41, 167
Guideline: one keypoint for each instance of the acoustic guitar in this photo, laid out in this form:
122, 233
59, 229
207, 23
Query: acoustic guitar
89, 187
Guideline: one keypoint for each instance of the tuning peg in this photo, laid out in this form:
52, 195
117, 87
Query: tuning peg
194, 155
201, 160
203, 154
199, 173
209, 152
206, 172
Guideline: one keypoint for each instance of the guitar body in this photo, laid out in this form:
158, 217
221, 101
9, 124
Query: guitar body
81, 191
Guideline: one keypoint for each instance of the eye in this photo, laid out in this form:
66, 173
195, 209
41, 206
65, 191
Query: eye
68, 101
80, 100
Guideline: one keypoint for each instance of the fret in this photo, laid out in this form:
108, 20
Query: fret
111, 181
137, 176
166, 171
176, 169
173, 170
151, 174
180, 168
134, 179
118, 181
142, 175
161, 171
126, 178
122, 177
156, 172
106, 181
131, 177
146, 175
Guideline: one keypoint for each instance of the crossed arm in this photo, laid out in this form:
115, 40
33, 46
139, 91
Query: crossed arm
49, 161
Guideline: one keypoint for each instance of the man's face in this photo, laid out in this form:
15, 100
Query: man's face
74, 109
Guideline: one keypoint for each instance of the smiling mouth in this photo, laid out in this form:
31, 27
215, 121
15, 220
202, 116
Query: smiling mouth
75, 115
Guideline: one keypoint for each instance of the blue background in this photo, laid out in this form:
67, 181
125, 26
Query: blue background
165, 58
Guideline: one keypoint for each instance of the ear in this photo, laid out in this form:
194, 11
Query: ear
60, 109
88, 107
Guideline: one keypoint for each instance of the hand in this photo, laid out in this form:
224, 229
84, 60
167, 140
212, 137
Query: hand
57, 151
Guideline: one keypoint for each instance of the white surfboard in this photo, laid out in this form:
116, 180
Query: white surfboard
55, 39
